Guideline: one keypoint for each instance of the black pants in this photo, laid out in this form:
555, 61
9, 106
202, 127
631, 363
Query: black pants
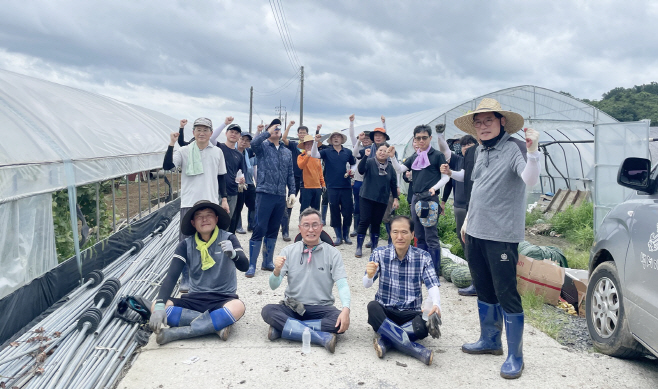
493, 268
203, 301
310, 198
377, 313
276, 315
340, 203
248, 198
285, 220
372, 214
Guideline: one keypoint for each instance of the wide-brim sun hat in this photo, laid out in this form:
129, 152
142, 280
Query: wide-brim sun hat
223, 218
514, 121
378, 129
341, 135
308, 138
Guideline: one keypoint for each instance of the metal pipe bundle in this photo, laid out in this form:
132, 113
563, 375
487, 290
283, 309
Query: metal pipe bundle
83, 344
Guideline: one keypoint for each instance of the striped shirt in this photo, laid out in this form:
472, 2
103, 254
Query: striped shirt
400, 281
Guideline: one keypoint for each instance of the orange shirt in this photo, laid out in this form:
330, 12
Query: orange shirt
312, 171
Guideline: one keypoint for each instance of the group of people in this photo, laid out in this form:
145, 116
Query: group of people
268, 171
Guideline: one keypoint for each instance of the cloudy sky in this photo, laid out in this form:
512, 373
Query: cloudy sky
369, 57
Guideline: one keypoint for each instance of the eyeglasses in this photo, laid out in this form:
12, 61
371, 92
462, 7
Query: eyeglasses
419, 138
308, 226
486, 122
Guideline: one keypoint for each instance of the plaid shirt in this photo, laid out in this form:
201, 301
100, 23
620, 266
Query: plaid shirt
400, 283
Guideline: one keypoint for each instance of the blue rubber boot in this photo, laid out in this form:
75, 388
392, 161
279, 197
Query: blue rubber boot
315, 325
513, 365
359, 245
388, 232
401, 342
346, 234
468, 291
185, 280
374, 241
180, 317
293, 330
383, 345
436, 259
218, 321
491, 328
254, 250
339, 236
268, 255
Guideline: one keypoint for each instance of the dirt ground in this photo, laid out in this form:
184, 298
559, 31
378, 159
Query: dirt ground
248, 359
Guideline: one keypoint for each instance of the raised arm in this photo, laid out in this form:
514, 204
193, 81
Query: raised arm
315, 153
351, 131
284, 139
218, 130
443, 146
530, 174
181, 130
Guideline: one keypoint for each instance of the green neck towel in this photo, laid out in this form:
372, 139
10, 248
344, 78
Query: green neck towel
194, 165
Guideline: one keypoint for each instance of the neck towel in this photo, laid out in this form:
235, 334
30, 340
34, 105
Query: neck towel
421, 161
206, 260
194, 166
309, 251
382, 167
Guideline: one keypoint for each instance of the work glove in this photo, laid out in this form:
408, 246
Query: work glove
433, 325
158, 318
531, 139
227, 248
291, 200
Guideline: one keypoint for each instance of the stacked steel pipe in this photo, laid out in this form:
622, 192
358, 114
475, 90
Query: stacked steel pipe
83, 344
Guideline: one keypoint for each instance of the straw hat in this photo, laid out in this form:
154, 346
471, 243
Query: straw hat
514, 121
308, 138
341, 135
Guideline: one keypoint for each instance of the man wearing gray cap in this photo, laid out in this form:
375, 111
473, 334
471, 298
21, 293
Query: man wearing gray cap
202, 172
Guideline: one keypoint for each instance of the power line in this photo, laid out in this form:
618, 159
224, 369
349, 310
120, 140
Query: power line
279, 88
284, 34
287, 30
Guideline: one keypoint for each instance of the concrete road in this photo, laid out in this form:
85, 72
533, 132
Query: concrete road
249, 360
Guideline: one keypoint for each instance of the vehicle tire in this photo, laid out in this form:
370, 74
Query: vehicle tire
604, 304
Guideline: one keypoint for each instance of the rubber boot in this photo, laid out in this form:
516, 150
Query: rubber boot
339, 236
383, 345
357, 217
388, 232
359, 245
185, 280
491, 328
513, 365
315, 325
180, 317
254, 250
268, 257
285, 225
324, 214
436, 259
206, 323
401, 342
346, 234
374, 240
239, 228
293, 330
468, 291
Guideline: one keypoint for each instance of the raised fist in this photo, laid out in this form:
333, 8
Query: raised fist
183, 123
278, 262
228, 120
352, 117
371, 269
367, 152
173, 137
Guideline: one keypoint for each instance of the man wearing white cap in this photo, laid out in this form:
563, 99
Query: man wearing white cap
495, 225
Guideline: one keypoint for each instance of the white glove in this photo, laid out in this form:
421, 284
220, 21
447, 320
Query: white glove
291, 200
227, 248
531, 139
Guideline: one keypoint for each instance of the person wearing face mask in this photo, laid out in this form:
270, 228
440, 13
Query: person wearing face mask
495, 225
379, 181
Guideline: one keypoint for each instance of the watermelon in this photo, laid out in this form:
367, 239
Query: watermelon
444, 263
461, 276
447, 270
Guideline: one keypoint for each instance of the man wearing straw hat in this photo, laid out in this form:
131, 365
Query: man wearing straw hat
338, 160
495, 224
212, 255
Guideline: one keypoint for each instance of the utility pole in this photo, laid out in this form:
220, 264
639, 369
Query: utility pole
251, 106
280, 109
285, 121
301, 100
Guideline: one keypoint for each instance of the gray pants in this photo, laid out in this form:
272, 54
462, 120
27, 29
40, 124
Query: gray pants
428, 235
232, 203
183, 211
460, 216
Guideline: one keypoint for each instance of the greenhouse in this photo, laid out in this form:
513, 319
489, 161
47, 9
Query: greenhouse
568, 130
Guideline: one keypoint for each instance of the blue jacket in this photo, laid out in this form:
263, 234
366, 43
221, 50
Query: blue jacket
274, 166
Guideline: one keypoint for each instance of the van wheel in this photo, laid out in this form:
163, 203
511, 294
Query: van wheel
606, 319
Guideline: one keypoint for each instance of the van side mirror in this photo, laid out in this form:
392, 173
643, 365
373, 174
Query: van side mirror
634, 173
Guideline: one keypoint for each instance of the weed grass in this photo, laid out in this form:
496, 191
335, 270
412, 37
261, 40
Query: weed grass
576, 224
547, 321
577, 259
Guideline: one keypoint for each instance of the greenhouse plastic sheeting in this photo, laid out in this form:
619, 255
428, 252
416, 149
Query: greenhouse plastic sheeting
614, 143
27, 241
46, 126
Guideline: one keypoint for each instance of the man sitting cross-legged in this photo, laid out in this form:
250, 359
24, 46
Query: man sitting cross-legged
212, 255
395, 314
312, 267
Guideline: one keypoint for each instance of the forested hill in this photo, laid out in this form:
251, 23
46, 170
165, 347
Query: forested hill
630, 104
